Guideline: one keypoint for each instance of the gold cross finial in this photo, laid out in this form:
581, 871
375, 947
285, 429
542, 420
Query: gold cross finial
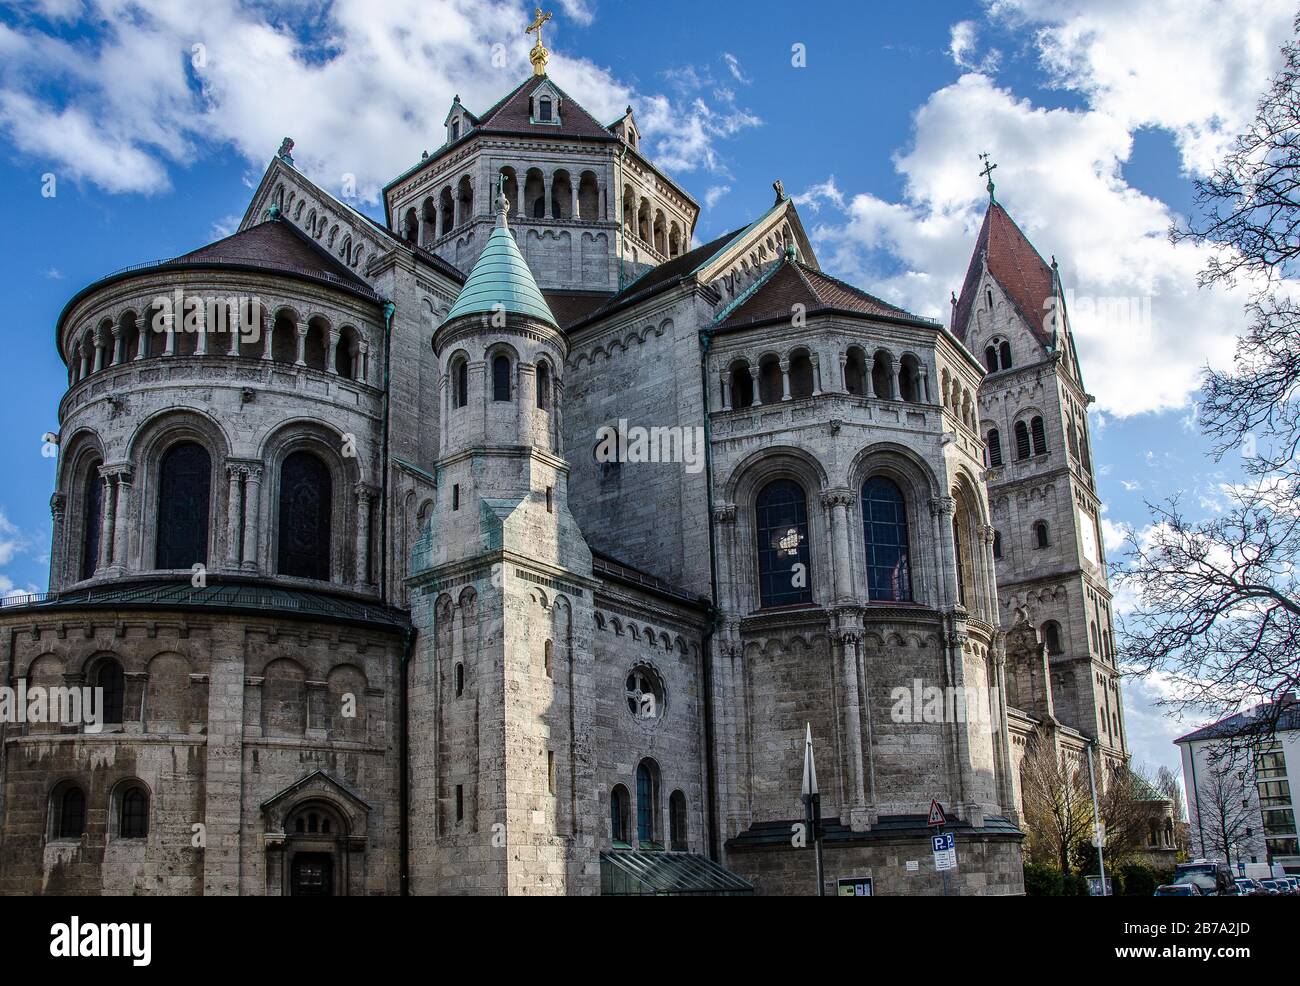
988, 173
539, 54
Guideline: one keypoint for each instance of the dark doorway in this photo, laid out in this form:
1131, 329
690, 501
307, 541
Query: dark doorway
313, 875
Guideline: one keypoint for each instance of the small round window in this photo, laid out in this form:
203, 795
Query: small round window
645, 693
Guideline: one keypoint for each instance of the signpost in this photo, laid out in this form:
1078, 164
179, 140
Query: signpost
943, 844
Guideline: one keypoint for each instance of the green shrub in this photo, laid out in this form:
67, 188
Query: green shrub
1139, 880
1042, 881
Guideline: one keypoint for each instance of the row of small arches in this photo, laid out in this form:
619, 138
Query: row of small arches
349, 251
775, 378
1030, 439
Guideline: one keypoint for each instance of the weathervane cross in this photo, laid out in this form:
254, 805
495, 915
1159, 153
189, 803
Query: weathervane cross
988, 173
538, 20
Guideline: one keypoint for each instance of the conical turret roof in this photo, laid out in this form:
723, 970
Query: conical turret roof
501, 277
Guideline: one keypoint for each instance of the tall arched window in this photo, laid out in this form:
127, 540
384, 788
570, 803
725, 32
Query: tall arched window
68, 808
618, 815
460, 383
133, 814
543, 387
1041, 539
1040, 436
93, 519
184, 494
501, 377
1004, 351
991, 358
781, 519
884, 530
647, 802
677, 822
109, 678
1052, 636
997, 544
995, 447
306, 501
1022, 440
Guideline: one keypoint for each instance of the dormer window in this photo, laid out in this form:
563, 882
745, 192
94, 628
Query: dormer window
544, 109
455, 130
545, 105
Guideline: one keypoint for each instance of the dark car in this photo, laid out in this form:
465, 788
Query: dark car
1178, 890
1209, 876
1272, 888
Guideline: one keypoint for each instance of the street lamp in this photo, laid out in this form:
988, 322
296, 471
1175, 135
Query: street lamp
812, 806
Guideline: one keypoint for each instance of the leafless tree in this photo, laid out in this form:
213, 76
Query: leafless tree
1222, 806
1057, 801
1218, 600
1170, 784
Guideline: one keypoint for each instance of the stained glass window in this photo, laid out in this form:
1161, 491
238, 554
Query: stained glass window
781, 519
884, 526
306, 500
184, 491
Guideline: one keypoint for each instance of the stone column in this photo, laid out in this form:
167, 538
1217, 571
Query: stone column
58, 550
201, 343
724, 519
925, 385
364, 497
98, 339
83, 362
170, 323
107, 520
547, 205
753, 376
122, 476
252, 506
363, 361
893, 378
331, 344
868, 381
724, 379
142, 340
520, 181
525, 402
941, 511
785, 378
817, 374
234, 512
301, 351
837, 502
573, 187
842, 382
845, 647
115, 356
268, 334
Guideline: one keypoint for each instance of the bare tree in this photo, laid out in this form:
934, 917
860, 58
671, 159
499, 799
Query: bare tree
1126, 811
1057, 801
1218, 600
1170, 784
1222, 808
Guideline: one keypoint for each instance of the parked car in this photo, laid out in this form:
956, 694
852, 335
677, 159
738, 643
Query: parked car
1209, 876
1272, 888
1178, 890
1250, 887
1292, 882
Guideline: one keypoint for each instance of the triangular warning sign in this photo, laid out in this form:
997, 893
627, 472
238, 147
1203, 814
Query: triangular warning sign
936, 815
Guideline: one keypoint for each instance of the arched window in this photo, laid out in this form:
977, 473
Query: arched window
618, 815
997, 544
460, 679
1052, 636
68, 812
133, 814
781, 519
884, 531
543, 387
109, 677
93, 519
1022, 440
855, 372
460, 383
991, 358
995, 447
1041, 539
306, 501
1040, 437
1095, 637
647, 803
501, 377
742, 385
184, 494
1004, 351
677, 822
455, 129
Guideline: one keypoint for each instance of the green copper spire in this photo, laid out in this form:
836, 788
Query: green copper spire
501, 277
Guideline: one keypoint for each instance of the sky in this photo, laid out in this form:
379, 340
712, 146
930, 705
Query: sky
135, 131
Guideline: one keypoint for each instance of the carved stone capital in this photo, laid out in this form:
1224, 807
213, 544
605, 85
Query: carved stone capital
941, 505
724, 513
58, 503
838, 497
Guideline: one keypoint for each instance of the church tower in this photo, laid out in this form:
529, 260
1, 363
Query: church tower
1050, 562
500, 684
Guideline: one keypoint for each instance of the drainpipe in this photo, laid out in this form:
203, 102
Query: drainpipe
403, 759
710, 741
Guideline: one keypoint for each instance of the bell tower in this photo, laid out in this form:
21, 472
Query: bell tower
500, 684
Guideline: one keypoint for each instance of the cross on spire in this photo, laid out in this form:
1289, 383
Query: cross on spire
988, 174
539, 54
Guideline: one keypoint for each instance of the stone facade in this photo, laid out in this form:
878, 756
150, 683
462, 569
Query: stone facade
391, 621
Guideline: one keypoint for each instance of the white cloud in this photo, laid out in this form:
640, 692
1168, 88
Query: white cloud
963, 45
715, 193
814, 196
733, 65
361, 87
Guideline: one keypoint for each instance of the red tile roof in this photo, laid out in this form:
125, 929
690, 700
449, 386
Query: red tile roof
511, 115
793, 283
277, 245
1016, 266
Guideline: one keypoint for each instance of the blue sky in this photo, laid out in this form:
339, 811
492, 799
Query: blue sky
157, 121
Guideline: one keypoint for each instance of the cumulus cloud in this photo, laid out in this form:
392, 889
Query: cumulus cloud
1145, 330
715, 193
963, 44
143, 86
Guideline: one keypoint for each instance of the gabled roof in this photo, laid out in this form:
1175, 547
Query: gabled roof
511, 115
571, 307
791, 283
501, 277
1027, 279
276, 244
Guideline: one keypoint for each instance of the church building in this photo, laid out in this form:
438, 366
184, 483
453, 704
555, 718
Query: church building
515, 543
